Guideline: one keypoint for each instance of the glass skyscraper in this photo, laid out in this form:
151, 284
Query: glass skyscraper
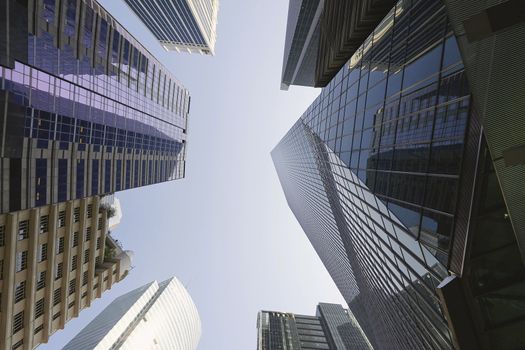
155, 316
180, 25
389, 174
85, 109
332, 328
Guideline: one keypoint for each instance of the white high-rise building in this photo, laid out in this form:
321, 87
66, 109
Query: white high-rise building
155, 316
180, 25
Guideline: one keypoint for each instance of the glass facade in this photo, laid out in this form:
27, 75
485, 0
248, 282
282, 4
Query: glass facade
371, 171
180, 24
81, 93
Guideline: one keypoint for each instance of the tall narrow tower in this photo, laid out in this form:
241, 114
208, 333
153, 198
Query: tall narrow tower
180, 25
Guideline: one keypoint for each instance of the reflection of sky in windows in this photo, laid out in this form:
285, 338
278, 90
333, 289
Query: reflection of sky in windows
130, 104
88, 80
393, 123
416, 132
91, 109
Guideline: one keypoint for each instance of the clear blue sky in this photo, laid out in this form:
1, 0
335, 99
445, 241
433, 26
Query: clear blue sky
225, 230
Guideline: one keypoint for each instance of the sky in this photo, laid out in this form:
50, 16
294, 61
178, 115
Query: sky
225, 231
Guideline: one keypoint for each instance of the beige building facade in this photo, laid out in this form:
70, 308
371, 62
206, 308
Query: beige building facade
54, 261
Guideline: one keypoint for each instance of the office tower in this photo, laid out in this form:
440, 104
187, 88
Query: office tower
332, 328
157, 315
392, 176
322, 34
54, 261
180, 25
86, 110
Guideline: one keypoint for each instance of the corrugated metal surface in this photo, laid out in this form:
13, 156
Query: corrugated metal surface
496, 74
465, 195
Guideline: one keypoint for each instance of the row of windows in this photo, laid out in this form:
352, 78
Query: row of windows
394, 121
23, 225
399, 123
153, 171
110, 51
184, 28
46, 126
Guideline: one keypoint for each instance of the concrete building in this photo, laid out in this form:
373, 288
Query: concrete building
180, 25
155, 316
54, 261
406, 175
332, 328
86, 110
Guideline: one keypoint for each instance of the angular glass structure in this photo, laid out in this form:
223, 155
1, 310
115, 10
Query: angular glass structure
332, 328
181, 25
85, 109
387, 172
157, 315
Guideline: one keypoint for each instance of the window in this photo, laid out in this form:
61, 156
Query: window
84, 294
99, 223
20, 291
18, 322
89, 211
75, 239
88, 234
74, 262
21, 261
72, 285
59, 270
98, 260
95, 286
23, 230
18, 344
57, 315
86, 256
39, 328
63, 177
105, 278
85, 278
41, 280
42, 253
57, 296
39, 308
76, 214
1, 269
2, 234
61, 218
71, 304
80, 178
99, 242
60, 245
44, 224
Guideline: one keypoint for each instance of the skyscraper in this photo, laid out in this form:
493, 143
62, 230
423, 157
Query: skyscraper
322, 34
332, 328
54, 261
157, 315
180, 25
86, 110
391, 177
